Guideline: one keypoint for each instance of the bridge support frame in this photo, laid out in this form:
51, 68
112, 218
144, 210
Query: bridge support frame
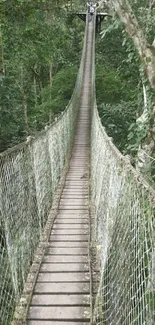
99, 18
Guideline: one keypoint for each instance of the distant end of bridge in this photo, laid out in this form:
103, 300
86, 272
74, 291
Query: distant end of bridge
100, 16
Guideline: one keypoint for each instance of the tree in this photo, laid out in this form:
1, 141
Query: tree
37, 39
132, 15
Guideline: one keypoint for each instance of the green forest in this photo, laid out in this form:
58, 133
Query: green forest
40, 48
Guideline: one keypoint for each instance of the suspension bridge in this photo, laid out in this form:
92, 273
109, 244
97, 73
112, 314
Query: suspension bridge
77, 226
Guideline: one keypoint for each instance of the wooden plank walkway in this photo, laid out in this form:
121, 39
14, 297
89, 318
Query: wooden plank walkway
62, 291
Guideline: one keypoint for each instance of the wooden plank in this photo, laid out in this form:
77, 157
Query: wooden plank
59, 313
69, 232
81, 192
73, 287
70, 221
76, 188
69, 237
82, 183
77, 173
66, 251
75, 207
80, 213
72, 214
66, 185
72, 218
75, 162
78, 168
63, 277
77, 181
76, 176
74, 201
55, 322
80, 157
68, 244
74, 191
74, 196
80, 151
64, 267
84, 138
56, 300
70, 226
79, 148
65, 259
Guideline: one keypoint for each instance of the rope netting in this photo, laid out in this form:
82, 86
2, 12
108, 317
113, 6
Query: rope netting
124, 236
29, 176
28, 180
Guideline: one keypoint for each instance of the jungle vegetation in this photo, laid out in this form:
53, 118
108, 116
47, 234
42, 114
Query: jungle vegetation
125, 71
40, 46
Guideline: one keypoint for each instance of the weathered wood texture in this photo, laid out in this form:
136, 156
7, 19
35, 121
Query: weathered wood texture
62, 291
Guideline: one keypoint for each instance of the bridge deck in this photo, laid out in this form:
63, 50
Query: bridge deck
62, 291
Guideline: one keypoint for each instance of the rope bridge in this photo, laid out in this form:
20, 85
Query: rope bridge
122, 213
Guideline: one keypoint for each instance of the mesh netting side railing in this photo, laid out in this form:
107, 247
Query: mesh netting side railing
28, 179
29, 176
124, 235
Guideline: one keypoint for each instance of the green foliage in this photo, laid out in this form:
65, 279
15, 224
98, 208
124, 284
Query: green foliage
117, 118
38, 39
62, 87
135, 136
55, 98
111, 86
119, 90
108, 85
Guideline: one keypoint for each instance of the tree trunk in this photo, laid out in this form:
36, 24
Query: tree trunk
35, 85
35, 92
27, 129
51, 80
146, 51
143, 162
24, 102
2, 53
